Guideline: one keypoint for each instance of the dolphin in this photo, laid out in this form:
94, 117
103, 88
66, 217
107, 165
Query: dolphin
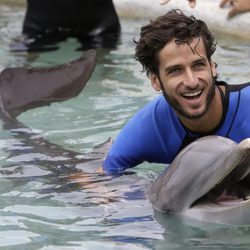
23, 88
208, 181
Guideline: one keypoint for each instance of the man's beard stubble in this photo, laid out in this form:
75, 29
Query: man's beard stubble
180, 110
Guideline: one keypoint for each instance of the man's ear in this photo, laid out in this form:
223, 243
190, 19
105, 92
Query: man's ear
155, 82
213, 69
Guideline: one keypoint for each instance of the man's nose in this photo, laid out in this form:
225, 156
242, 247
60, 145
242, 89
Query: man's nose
190, 79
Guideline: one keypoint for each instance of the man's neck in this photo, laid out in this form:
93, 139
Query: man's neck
211, 119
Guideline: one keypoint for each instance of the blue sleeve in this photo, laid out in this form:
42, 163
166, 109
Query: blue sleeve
125, 151
148, 136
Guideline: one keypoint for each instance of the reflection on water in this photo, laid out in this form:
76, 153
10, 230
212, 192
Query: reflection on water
51, 197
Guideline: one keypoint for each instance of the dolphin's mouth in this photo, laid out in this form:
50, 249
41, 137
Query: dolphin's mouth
234, 188
209, 180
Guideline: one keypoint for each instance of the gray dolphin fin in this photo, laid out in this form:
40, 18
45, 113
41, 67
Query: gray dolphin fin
22, 89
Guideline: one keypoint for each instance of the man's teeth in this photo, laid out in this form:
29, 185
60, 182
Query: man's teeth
192, 94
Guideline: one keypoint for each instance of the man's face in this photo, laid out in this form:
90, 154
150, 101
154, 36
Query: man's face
186, 78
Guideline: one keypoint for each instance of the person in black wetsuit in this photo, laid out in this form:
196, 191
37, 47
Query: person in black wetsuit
93, 22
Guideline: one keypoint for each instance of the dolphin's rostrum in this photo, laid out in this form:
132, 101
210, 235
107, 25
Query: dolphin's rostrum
208, 180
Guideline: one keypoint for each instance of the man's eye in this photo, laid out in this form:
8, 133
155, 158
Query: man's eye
199, 65
174, 71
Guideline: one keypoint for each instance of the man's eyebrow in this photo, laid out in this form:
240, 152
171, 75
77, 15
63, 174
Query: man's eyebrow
200, 60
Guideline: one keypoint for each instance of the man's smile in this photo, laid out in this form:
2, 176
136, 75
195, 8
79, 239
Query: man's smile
192, 94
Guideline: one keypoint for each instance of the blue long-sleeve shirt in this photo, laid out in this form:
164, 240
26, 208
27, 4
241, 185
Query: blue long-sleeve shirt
155, 134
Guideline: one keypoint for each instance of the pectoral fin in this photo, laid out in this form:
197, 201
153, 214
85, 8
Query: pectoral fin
22, 89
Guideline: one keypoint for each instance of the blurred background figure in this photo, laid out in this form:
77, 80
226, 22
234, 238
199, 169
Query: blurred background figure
93, 22
235, 6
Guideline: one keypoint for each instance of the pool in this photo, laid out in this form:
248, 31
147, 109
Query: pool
49, 205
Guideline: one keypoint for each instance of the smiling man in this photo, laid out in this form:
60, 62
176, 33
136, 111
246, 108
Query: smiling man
176, 52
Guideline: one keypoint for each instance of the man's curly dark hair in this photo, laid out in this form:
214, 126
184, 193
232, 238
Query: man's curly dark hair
172, 25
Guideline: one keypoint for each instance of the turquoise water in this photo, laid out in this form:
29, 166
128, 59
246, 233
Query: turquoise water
45, 204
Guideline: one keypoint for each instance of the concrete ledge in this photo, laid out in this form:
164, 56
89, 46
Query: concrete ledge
207, 10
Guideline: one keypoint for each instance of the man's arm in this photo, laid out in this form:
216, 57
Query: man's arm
136, 142
125, 151
237, 6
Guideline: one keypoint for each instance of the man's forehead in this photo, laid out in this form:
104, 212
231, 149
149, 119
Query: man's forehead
181, 53
194, 41
196, 45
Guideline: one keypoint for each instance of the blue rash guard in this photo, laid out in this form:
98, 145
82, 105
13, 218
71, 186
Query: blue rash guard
155, 133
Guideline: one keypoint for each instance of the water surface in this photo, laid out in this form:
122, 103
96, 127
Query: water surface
51, 201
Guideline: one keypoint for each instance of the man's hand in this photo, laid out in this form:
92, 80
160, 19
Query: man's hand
237, 6
192, 3
100, 170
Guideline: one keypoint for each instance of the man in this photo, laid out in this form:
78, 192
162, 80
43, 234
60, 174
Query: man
176, 52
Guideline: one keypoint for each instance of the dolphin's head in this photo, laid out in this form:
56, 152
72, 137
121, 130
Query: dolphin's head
208, 177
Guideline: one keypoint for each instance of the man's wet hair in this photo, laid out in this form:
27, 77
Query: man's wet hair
172, 25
